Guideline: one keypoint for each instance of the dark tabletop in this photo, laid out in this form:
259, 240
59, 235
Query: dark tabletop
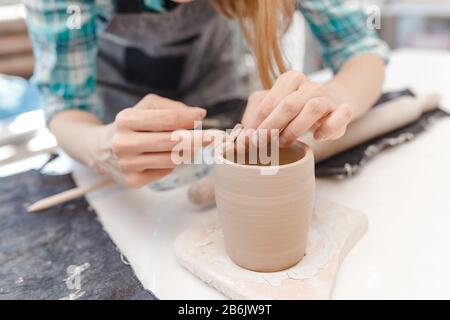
60, 253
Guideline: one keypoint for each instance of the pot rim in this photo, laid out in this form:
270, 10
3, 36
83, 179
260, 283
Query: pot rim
306, 148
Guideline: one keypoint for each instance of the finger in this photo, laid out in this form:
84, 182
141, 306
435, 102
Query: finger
243, 140
153, 101
158, 120
334, 126
141, 179
212, 136
313, 111
285, 85
286, 111
339, 134
133, 143
142, 162
251, 109
317, 124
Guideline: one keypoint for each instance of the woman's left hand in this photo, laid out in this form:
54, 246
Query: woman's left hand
295, 105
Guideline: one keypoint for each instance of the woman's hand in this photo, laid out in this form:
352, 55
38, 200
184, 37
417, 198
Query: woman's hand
295, 105
137, 148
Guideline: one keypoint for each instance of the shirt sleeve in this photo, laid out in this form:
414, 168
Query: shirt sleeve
342, 29
65, 44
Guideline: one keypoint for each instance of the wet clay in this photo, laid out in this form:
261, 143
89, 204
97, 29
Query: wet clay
265, 218
283, 157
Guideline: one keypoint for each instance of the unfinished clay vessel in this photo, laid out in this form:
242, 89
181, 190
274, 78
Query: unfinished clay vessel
265, 218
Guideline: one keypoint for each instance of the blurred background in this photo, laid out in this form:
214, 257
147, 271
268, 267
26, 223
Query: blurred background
404, 24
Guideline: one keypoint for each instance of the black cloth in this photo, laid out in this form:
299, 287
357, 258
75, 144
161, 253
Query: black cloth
37, 250
138, 6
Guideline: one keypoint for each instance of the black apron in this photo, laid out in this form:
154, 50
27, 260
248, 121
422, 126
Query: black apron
185, 54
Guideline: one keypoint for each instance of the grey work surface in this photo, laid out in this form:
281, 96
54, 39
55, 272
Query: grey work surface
36, 250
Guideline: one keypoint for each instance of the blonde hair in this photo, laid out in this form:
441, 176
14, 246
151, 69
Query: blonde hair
262, 22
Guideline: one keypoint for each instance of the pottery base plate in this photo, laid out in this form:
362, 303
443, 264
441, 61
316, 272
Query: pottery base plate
334, 231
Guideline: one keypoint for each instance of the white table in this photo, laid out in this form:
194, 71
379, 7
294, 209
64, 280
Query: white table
404, 192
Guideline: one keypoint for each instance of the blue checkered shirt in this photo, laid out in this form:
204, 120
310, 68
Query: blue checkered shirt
65, 57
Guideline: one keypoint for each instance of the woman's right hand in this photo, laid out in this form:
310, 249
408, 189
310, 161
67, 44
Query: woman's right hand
137, 148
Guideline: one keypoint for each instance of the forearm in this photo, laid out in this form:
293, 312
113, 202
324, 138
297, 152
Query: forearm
79, 134
358, 83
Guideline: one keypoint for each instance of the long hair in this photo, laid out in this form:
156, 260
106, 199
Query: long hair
262, 22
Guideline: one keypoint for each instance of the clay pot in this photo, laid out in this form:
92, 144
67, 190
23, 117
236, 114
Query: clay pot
265, 218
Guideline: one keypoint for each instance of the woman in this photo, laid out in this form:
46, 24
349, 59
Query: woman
140, 66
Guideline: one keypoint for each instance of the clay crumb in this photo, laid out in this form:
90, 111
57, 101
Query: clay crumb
124, 259
74, 295
19, 280
204, 243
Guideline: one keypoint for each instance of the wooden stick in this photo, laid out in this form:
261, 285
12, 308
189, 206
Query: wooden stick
69, 195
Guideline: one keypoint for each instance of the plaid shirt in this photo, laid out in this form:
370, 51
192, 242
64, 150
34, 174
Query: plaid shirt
65, 69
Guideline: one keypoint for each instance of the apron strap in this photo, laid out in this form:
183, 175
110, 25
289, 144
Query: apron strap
138, 6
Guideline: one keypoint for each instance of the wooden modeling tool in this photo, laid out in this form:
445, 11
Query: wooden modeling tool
200, 192
69, 195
